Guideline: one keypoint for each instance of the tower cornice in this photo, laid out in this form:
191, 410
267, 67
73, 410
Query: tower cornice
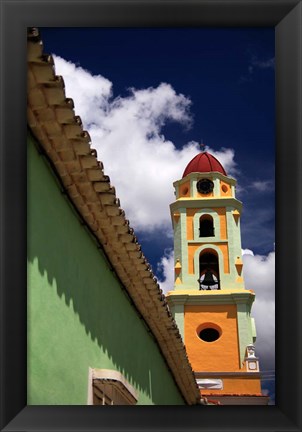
210, 175
206, 202
210, 297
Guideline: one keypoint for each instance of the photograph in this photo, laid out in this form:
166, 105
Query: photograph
151, 157
150, 215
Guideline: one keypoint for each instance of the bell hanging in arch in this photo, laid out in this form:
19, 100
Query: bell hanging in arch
208, 280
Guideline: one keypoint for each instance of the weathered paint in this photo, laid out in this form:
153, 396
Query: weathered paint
78, 314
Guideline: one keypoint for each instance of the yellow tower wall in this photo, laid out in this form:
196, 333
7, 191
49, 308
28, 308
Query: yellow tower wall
184, 190
190, 217
192, 248
222, 217
225, 189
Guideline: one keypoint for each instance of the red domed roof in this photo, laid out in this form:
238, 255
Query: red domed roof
204, 162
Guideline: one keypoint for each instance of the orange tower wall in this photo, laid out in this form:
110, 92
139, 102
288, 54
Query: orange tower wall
220, 355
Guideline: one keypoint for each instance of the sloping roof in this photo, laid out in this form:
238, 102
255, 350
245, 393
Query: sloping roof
53, 122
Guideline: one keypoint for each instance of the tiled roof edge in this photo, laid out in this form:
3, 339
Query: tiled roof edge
53, 122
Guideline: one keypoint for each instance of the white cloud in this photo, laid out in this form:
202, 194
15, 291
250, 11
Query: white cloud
263, 186
259, 275
247, 252
226, 158
166, 268
127, 134
256, 64
262, 64
90, 93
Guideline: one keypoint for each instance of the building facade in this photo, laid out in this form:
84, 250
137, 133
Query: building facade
209, 302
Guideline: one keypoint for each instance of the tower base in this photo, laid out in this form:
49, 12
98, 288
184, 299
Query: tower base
236, 399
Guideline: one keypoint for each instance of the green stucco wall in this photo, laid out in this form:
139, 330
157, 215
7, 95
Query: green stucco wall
78, 315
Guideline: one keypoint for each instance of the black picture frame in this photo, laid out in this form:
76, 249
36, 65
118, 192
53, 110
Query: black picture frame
286, 17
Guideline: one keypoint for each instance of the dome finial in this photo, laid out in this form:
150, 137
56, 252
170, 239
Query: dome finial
204, 162
202, 145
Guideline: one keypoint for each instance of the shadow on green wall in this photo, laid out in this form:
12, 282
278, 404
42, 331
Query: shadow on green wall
69, 257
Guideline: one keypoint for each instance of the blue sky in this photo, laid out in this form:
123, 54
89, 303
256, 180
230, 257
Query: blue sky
148, 98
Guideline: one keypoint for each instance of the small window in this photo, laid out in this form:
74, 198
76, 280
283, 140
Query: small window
110, 387
206, 226
208, 263
209, 332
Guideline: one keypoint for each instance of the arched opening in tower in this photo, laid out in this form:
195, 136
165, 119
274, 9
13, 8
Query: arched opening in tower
209, 270
206, 226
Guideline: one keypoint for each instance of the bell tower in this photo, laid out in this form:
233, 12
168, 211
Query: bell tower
209, 302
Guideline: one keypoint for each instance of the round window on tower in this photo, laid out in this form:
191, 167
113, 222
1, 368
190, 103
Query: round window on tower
205, 186
185, 190
209, 332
